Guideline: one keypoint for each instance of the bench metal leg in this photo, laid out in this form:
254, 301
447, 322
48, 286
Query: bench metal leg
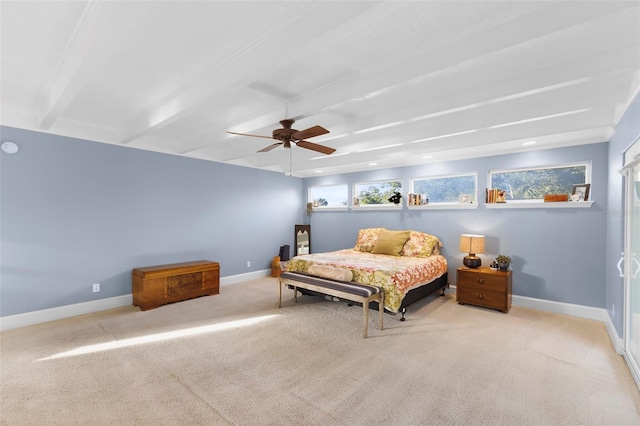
381, 309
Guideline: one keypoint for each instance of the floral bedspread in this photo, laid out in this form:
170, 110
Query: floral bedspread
395, 274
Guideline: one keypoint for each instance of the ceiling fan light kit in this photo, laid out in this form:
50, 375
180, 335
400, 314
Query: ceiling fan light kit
286, 135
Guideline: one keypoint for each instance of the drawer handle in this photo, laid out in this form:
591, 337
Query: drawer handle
480, 295
481, 280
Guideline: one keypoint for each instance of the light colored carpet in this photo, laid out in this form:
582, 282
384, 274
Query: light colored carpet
203, 363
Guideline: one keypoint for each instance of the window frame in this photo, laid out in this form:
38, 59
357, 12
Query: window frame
382, 206
587, 177
334, 207
446, 203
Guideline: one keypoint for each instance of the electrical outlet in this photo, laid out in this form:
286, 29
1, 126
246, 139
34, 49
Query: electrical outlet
96, 287
248, 264
613, 310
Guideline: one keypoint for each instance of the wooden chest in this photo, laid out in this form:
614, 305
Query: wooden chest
158, 285
484, 287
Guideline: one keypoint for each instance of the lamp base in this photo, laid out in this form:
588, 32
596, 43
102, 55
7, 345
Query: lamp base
472, 261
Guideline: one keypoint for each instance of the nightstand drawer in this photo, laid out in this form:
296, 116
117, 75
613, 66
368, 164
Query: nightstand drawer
489, 299
484, 282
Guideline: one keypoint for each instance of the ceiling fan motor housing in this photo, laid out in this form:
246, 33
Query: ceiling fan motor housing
283, 134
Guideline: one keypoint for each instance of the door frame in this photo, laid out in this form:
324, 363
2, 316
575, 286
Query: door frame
631, 157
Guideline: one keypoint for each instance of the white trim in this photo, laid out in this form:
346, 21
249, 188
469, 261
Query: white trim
329, 209
60, 312
580, 311
540, 205
67, 311
444, 206
235, 279
616, 340
373, 207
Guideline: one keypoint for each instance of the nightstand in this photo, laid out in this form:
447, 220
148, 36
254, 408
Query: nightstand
484, 287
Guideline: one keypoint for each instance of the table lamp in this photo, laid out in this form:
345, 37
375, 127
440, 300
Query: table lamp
472, 244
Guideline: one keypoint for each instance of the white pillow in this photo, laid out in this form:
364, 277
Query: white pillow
331, 272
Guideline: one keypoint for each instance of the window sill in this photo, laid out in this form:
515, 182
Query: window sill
330, 209
445, 206
540, 205
377, 207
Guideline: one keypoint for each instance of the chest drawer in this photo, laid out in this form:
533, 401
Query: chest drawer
479, 281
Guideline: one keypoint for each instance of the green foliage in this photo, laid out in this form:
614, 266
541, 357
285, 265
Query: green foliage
377, 192
446, 189
534, 184
503, 259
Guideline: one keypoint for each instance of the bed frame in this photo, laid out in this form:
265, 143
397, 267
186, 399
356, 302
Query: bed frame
412, 296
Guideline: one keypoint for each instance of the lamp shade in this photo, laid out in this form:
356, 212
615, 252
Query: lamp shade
472, 244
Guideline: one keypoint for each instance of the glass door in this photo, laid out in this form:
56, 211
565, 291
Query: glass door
632, 260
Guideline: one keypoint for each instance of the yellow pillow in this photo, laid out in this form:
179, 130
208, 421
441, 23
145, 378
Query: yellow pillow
390, 242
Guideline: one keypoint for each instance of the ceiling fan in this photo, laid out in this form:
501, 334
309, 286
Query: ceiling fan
287, 135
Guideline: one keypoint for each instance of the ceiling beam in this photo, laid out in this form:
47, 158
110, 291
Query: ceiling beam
320, 22
83, 56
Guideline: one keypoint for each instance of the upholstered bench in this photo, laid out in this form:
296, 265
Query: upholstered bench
359, 293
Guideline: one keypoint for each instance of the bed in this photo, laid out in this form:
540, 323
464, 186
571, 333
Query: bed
407, 265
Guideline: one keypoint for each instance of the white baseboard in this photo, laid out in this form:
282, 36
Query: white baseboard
45, 315
235, 279
580, 311
52, 314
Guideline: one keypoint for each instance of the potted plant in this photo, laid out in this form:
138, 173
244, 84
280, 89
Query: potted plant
503, 262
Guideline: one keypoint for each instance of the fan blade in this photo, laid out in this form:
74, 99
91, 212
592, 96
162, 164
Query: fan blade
253, 136
310, 133
270, 147
316, 147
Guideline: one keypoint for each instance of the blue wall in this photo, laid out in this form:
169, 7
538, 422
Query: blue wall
627, 131
558, 254
76, 212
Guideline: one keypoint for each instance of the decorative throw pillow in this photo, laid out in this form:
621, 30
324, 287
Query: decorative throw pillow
420, 244
332, 272
367, 239
390, 242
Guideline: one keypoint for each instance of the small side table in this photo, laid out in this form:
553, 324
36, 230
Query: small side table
484, 287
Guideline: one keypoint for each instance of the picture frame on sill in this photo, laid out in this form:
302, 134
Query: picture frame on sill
581, 190
465, 199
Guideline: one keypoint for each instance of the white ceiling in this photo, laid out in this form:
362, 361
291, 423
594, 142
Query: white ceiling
393, 81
